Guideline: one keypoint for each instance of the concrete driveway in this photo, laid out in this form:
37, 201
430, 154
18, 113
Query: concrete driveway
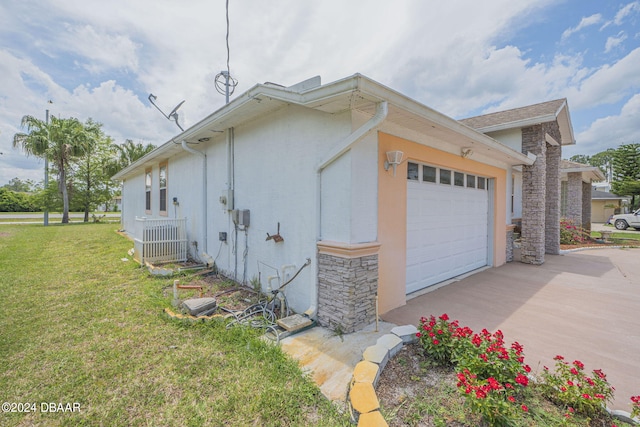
582, 305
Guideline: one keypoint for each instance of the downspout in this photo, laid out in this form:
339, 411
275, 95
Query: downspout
382, 110
371, 125
204, 191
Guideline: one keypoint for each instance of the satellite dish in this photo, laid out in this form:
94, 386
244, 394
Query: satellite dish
173, 116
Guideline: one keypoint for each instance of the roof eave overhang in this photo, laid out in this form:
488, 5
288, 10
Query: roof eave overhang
561, 115
321, 98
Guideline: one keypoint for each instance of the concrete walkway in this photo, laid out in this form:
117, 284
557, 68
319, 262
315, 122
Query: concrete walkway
329, 358
583, 305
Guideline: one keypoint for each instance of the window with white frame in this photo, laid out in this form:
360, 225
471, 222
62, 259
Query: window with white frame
147, 191
162, 182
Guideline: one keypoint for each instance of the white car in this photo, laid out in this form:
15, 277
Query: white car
624, 221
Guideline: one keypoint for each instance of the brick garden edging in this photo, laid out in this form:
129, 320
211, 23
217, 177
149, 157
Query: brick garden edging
362, 399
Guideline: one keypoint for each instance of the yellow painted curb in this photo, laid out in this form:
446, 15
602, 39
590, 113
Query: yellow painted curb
363, 398
372, 419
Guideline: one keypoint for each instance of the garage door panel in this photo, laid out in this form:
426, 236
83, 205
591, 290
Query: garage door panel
447, 232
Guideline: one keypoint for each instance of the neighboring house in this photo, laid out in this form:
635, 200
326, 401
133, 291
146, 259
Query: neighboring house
385, 195
604, 204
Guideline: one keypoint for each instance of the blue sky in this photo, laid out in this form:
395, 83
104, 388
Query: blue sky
102, 59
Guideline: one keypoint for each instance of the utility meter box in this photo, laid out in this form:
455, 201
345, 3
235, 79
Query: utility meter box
241, 217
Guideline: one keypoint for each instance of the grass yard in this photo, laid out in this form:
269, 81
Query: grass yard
79, 325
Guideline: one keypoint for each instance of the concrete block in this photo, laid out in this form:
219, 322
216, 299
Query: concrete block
376, 354
391, 342
407, 333
199, 305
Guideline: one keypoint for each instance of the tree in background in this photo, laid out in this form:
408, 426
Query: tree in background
90, 181
602, 160
61, 141
626, 171
128, 153
20, 186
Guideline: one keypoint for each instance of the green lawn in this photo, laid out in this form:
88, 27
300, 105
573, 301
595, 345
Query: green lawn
79, 325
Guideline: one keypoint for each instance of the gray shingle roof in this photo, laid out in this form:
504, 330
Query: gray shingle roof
543, 111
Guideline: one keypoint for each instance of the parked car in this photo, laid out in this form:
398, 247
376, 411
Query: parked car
624, 221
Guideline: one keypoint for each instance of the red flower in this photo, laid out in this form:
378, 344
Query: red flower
418, 335
525, 408
574, 371
598, 396
480, 394
527, 368
586, 396
436, 342
444, 317
558, 357
511, 399
440, 332
578, 364
600, 374
522, 380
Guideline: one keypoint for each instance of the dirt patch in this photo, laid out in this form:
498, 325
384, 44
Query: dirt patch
227, 293
413, 391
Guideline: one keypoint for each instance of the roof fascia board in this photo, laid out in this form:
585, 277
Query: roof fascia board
395, 98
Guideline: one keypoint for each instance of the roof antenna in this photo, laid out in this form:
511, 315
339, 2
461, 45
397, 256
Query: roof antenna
173, 115
228, 86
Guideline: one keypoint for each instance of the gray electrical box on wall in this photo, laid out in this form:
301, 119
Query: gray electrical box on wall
241, 217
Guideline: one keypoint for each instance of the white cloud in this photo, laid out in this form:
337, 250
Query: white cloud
611, 131
99, 49
609, 83
626, 11
613, 42
584, 22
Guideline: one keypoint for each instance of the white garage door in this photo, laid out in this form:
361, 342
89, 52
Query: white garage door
447, 224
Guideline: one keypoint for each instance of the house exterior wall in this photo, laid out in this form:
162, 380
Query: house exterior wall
276, 158
601, 210
392, 212
512, 138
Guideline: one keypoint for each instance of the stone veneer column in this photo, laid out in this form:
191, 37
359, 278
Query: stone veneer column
574, 198
510, 238
586, 206
552, 200
534, 187
347, 285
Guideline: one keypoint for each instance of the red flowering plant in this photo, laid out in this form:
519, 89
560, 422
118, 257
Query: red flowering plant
571, 234
491, 376
437, 337
635, 406
486, 355
495, 401
572, 388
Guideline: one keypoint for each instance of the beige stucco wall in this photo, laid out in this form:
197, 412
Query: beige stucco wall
392, 212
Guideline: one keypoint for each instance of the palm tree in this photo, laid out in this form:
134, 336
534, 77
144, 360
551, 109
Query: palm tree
60, 141
129, 152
